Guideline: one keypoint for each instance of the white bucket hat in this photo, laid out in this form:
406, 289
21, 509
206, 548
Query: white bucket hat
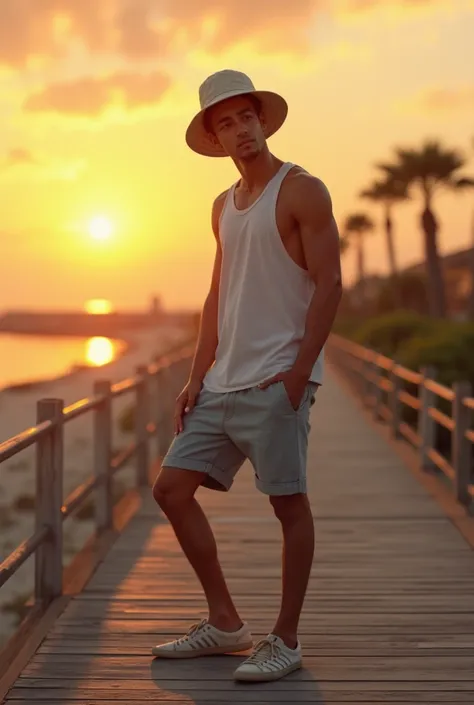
221, 86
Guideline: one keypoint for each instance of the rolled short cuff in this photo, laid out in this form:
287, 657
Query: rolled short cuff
216, 480
278, 489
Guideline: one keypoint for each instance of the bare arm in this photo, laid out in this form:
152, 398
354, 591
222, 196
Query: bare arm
207, 337
312, 209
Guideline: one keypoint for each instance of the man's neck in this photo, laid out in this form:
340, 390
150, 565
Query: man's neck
258, 172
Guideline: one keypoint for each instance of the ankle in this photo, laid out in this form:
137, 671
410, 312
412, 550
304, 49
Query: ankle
225, 622
289, 638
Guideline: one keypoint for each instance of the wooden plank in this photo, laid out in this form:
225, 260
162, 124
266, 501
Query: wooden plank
362, 647
389, 614
394, 667
141, 687
18, 653
250, 698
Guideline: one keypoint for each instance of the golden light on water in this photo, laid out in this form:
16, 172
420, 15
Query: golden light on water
98, 306
99, 351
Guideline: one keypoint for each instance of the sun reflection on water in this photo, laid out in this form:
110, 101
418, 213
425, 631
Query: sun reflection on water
100, 351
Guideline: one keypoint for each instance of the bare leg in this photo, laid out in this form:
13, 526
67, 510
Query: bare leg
294, 513
174, 492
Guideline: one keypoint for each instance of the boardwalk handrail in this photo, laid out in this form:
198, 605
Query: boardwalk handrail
381, 382
152, 387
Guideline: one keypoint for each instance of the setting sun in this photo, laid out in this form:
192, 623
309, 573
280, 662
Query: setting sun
100, 228
98, 306
99, 351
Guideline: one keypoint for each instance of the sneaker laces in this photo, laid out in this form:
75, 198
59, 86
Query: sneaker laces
193, 629
264, 650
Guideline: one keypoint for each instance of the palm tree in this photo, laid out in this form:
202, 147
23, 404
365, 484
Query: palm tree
430, 168
464, 184
356, 227
388, 193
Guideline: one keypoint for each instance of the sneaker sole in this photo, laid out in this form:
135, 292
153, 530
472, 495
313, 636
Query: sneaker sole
269, 676
195, 653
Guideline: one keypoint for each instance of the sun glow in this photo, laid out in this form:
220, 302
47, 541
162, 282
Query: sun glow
99, 351
100, 228
98, 306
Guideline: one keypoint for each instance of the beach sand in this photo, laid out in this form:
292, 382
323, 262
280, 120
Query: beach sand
17, 475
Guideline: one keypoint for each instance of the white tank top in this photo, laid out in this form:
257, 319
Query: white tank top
263, 297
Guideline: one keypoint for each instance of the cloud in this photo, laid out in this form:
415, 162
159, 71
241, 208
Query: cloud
91, 96
141, 28
440, 100
19, 156
150, 29
20, 161
448, 99
359, 7
32, 28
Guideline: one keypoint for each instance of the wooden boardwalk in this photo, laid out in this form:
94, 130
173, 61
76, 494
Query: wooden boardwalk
389, 616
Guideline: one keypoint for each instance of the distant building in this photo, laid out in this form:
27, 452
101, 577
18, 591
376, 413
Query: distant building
156, 307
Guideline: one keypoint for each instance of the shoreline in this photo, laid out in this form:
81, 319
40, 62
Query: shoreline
35, 383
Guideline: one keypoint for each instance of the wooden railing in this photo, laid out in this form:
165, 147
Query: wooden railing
154, 388
383, 385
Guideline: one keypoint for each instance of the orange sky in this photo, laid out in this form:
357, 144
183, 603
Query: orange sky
95, 103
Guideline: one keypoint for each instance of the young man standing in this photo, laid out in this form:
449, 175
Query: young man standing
275, 290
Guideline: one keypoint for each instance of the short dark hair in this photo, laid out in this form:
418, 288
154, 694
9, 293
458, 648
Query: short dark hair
256, 103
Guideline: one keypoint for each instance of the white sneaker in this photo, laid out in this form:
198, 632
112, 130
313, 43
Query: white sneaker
203, 639
271, 659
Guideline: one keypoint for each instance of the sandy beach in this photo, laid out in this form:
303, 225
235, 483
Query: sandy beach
17, 475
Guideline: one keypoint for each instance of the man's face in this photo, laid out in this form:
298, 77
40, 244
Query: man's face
238, 128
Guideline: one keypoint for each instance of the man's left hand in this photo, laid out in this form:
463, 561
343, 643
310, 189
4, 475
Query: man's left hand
294, 383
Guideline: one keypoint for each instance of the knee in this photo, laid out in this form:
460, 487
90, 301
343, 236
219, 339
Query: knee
290, 508
169, 494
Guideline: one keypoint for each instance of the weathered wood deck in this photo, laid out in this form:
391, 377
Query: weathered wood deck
389, 617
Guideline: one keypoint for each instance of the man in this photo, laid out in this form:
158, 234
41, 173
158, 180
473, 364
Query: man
275, 289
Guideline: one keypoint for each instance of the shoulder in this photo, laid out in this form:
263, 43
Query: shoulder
220, 200
217, 207
306, 190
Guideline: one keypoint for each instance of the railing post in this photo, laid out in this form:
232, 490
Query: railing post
378, 392
367, 391
394, 401
168, 397
49, 499
426, 425
156, 384
462, 448
141, 423
102, 456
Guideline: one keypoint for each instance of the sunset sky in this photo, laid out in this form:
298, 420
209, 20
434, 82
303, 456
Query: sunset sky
95, 98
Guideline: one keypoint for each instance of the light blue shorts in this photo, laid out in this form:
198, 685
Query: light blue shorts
225, 429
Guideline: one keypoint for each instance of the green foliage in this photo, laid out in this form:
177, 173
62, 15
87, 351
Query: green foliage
387, 333
347, 323
411, 290
449, 348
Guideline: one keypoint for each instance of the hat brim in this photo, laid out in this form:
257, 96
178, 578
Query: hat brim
274, 108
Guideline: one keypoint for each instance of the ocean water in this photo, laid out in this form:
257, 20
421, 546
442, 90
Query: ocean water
29, 358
